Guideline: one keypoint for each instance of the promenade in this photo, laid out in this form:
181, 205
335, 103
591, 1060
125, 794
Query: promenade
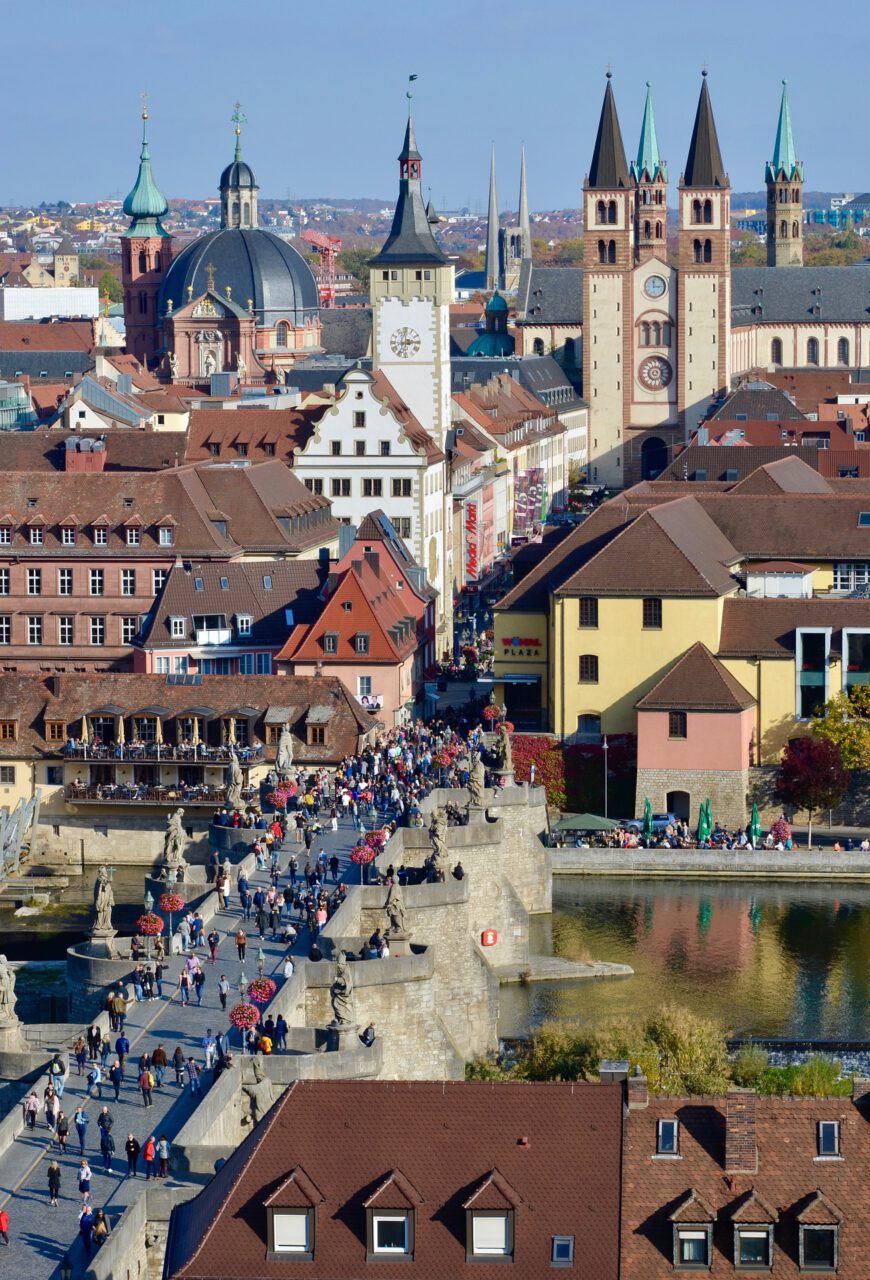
41, 1235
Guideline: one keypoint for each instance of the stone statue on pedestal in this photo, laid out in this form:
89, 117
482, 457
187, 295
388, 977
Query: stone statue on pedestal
172, 361
438, 834
395, 909
341, 994
284, 755
104, 900
505, 751
260, 1095
476, 781
8, 1016
175, 842
234, 781
241, 367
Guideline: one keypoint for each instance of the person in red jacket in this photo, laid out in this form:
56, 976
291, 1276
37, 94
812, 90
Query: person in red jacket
4, 1226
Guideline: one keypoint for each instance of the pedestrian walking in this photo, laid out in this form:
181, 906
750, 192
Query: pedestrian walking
194, 1077
31, 1107
94, 1039
209, 1046
149, 1155
159, 970
213, 940
81, 1120
241, 943
57, 1074
223, 990
53, 1182
61, 1128
4, 1226
120, 1006
146, 1084
198, 983
131, 1146
163, 1156
80, 1053
85, 1176
105, 1050
116, 1076
178, 1063
122, 1048
86, 1228
184, 986
159, 1063
107, 1149
95, 1081
52, 1106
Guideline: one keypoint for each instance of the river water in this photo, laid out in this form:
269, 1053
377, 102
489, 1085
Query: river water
785, 958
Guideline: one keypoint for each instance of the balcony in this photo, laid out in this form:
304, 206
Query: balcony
213, 635
127, 794
163, 752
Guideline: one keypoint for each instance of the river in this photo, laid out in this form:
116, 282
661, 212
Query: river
785, 958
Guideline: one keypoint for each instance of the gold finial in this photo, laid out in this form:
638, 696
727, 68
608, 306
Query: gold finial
229, 291
250, 305
210, 269
189, 292
145, 104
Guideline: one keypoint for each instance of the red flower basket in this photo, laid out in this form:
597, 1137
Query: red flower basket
490, 712
443, 758
244, 1017
507, 724
170, 902
150, 925
363, 854
375, 839
261, 990
279, 797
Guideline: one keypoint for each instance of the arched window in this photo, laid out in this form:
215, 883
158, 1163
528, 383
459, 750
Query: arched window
697, 250
795, 231
658, 231
696, 210
647, 231
234, 213
602, 251
783, 230
843, 351
589, 728
611, 211
796, 195
157, 262
644, 334
611, 251
783, 196
708, 250
646, 197
538, 346
602, 211
653, 457
282, 335
812, 351
656, 334
666, 335
708, 210
143, 262
246, 214
776, 351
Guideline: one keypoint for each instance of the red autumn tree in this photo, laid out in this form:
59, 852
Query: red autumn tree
811, 776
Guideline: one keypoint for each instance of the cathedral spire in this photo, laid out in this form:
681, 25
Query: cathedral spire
492, 265
146, 203
523, 219
609, 168
649, 160
784, 155
704, 167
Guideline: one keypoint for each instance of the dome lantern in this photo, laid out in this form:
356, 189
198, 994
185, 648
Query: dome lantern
238, 186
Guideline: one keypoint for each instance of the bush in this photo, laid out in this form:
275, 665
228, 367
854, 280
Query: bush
749, 1065
819, 1077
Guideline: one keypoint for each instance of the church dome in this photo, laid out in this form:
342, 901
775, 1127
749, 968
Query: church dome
256, 264
238, 174
496, 303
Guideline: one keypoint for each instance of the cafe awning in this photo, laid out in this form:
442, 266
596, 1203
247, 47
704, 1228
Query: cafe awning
585, 822
153, 711
108, 711
517, 679
205, 713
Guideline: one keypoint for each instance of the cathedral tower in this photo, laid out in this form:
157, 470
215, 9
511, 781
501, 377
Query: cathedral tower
492, 264
608, 195
651, 191
704, 301
784, 177
146, 250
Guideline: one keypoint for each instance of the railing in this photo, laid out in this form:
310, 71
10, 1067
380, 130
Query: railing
119, 793
162, 752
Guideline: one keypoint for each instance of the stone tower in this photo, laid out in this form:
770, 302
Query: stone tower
238, 186
651, 191
704, 297
492, 264
784, 177
608, 202
516, 242
146, 250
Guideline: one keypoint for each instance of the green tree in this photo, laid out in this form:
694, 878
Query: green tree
845, 720
811, 776
109, 284
93, 262
356, 261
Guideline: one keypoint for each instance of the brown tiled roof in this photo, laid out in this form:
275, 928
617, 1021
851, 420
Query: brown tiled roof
756, 400
295, 585
716, 460
446, 1140
60, 335
697, 682
791, 1186
362, 600
674, 549
531, 594
33, 699
810, 387
787, 526
766, 627
259, 429
126, 449
787, 475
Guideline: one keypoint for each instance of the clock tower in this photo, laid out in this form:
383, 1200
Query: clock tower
411, 288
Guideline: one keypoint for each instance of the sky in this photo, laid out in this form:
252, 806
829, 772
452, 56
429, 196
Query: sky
323, 88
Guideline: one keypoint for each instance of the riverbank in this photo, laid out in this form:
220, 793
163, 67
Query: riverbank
764, 864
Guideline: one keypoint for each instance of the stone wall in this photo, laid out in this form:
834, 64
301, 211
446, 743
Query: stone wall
853, 812
766, 864
726, 789
79, 840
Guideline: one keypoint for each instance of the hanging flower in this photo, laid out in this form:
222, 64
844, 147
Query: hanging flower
283, 792
375, 839
362, 854
490, 712
507, 724
149, 925
245, 1016
261, 990
170, 902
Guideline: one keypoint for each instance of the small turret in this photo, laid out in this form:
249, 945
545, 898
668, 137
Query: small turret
784, 178
146, 203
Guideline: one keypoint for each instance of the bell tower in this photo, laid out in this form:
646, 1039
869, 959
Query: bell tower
238, 186
784, 177
650, 175
704, 280
146, 251
608, 203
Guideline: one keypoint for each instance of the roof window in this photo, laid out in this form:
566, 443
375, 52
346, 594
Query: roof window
267, 582
864, 519
828, 1139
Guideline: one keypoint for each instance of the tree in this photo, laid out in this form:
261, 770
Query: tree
356, 261
110, 285
845, 721
811, 776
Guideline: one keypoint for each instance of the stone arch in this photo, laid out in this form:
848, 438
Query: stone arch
679, 803
653, 457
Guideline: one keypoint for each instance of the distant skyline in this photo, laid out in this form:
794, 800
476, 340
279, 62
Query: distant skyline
323, 89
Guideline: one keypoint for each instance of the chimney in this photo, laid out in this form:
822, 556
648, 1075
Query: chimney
638, 1091
860, 1088
374, 561
610, 1070
741, 1152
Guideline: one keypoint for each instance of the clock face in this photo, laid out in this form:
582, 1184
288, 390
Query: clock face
655, 373
405, 342
655, 287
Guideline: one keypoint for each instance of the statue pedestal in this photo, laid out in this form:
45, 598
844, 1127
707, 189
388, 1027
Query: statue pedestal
476, 813
399, 945
102, 944
12, 1038
341, 1035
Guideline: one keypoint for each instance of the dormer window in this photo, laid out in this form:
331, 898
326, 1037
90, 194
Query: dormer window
134, 535
5, 535
68, 536
166, 535
101, 535
668, 1138
37, 535
692, 1248
818, 1247
362, 643
491, 1234
391, 1234
828, 1139
177, 627
330, 642
244, 623
290, 1231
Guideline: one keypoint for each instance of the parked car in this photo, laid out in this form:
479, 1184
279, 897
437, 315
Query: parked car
660, 822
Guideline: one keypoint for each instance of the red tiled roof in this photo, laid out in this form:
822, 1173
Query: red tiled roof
60, 335
446, 1140
787, 475
697, 682
361, 602
766, 628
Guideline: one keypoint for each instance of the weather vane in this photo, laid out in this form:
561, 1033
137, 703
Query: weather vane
144, 104
238, 117
209, 271
408, 94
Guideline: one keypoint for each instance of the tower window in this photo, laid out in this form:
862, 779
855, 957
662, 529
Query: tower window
843, 351
696, 210
708, 250
658, 231
143, 303
611, 251
656, 332
143, 264
696, 250
282, 334
647, 230
812, 351
611, 211
783, 230
602, 211
708, 210
776, 351
795, 231
644, 334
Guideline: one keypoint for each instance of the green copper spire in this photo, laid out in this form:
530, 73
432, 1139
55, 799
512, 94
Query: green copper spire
239, 118
146, 203
784, 158
648, 159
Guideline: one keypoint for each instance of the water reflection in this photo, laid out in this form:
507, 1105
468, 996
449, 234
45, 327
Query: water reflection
788, 959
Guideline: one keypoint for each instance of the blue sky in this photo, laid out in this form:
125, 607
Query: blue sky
323, 86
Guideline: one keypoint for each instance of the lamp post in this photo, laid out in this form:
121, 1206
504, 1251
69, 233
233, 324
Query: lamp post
148, 904
261, 961
605, 749
243, 997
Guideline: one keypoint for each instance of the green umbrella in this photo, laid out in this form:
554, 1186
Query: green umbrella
703, 829
585, 822
755, 832
709, 815
647, 819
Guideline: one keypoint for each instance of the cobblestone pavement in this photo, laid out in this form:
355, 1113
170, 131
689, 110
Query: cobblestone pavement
39, 1234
